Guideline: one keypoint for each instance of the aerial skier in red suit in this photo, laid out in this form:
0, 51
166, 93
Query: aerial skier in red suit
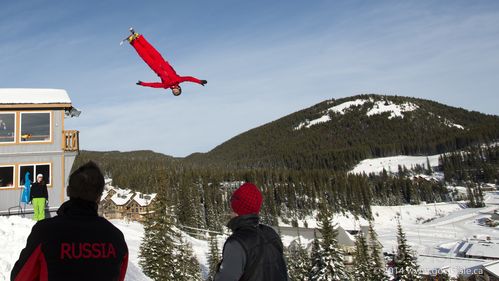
169, 78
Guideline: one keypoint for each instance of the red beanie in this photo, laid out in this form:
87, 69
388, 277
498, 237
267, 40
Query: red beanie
246, 200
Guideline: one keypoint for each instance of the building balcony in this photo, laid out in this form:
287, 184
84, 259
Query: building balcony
70, 140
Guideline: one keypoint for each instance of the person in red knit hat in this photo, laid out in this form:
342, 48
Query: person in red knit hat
254, 251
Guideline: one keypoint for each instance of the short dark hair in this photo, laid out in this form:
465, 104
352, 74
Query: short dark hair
86, 183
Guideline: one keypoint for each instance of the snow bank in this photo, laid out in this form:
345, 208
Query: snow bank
390, 164
15, 230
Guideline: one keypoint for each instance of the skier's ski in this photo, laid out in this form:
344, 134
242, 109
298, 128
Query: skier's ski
134, 34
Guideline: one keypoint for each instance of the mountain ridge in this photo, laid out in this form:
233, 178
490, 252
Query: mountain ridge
338, 133
360, 131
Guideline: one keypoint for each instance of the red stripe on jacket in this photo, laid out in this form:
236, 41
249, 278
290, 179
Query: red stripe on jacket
35, 268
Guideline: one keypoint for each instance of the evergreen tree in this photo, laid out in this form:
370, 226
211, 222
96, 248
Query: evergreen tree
406, 267
315, 255
429, 171
213, 256
327, 262
443, 276
297, 261
376, 266
361, 270
187, 267
158, 247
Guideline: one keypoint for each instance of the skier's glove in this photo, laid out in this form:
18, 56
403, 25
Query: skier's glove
139, 82
203, 82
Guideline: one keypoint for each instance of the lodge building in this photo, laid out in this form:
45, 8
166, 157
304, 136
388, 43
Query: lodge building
117, 203
33, 139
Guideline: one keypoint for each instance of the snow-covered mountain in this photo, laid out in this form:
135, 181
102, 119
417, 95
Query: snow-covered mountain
338, 133
377, 107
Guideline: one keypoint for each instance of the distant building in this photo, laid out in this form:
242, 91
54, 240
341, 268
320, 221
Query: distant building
364, 229
33, 139
493, 221
433, 265
495, 216
491, 271
489, 251
117, 203
346, 241
139, 207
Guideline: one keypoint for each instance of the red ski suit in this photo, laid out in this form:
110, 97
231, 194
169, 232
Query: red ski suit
169, 78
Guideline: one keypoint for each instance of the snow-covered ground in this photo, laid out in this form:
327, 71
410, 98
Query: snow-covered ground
441, 234
433, 230
14, 231
390, 164
449, 224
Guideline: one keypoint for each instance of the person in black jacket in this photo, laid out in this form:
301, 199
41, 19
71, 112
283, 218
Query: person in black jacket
39, 197
77, 244
254, 251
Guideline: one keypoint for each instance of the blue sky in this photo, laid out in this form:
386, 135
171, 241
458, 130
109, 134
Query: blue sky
262, 60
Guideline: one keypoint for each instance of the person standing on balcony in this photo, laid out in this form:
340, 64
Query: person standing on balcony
39, 197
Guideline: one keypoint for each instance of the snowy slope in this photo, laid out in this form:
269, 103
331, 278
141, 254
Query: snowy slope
388, 215
342, 108
395, 110
378, 107
372, 107
390, 164
14, 231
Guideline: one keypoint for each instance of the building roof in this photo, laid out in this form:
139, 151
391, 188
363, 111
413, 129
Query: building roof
486, 250
122, 197
104, 195
344, 238
33, 96
144, 199
454, 266
492, 268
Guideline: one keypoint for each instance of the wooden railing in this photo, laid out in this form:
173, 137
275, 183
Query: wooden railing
70, 140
